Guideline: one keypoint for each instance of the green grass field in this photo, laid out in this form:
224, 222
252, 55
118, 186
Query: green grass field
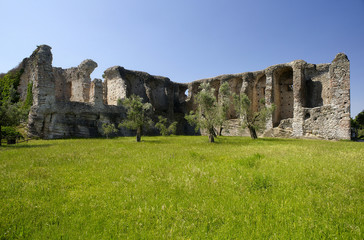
182, 188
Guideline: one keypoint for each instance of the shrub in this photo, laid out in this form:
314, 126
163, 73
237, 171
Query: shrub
10, 133
108, 129
162, 126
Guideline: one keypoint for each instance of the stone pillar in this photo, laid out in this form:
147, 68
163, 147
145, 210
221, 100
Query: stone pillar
298, 97
43, 78
269, 94
116, 87
96, 93
81, 80
340, 94
41, 72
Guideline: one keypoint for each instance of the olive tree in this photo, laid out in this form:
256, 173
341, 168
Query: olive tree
253, 120
206, 117
137, 115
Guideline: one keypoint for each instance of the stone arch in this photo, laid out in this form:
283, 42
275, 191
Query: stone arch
283, 94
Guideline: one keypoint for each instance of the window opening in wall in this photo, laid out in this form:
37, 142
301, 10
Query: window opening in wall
313, 94
186, 92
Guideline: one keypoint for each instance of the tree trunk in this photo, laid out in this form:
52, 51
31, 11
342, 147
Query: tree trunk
139, 133
211, 138
220, 131
212, 135
253, 133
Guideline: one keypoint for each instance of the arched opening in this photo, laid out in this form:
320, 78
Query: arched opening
183, 93
283, 95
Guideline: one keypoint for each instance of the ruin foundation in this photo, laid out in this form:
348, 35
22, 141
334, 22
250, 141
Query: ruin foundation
312, 100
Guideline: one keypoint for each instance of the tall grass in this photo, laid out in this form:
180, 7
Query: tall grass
182, 188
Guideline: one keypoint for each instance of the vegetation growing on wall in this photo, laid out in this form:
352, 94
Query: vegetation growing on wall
29, 98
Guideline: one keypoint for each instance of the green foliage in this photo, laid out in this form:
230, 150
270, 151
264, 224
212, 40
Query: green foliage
361, 133
162, 126
193, 120
207, 115
10, 133
360, 119
108, 129
358, 124
252, 120
182, 187
29, 98
8, 85
11, 114
138, 114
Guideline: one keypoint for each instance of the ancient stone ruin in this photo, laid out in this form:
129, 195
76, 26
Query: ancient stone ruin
312, 100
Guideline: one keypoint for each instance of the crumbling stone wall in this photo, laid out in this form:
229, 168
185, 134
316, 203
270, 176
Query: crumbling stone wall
65, 101
311, 100
159, 91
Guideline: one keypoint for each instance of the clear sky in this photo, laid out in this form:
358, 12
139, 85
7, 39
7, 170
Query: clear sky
187, 40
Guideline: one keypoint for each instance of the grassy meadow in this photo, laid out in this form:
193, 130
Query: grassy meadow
182, 187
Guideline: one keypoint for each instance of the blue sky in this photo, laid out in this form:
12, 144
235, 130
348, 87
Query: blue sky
187, 40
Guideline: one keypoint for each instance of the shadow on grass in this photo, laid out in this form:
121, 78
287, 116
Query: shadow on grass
242, 141
275, 139
151, 141
22, 146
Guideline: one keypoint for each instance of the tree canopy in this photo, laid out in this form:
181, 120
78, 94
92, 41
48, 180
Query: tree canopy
253, 120
137, 115
11, 114
12, 110
207, 116
358, 125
